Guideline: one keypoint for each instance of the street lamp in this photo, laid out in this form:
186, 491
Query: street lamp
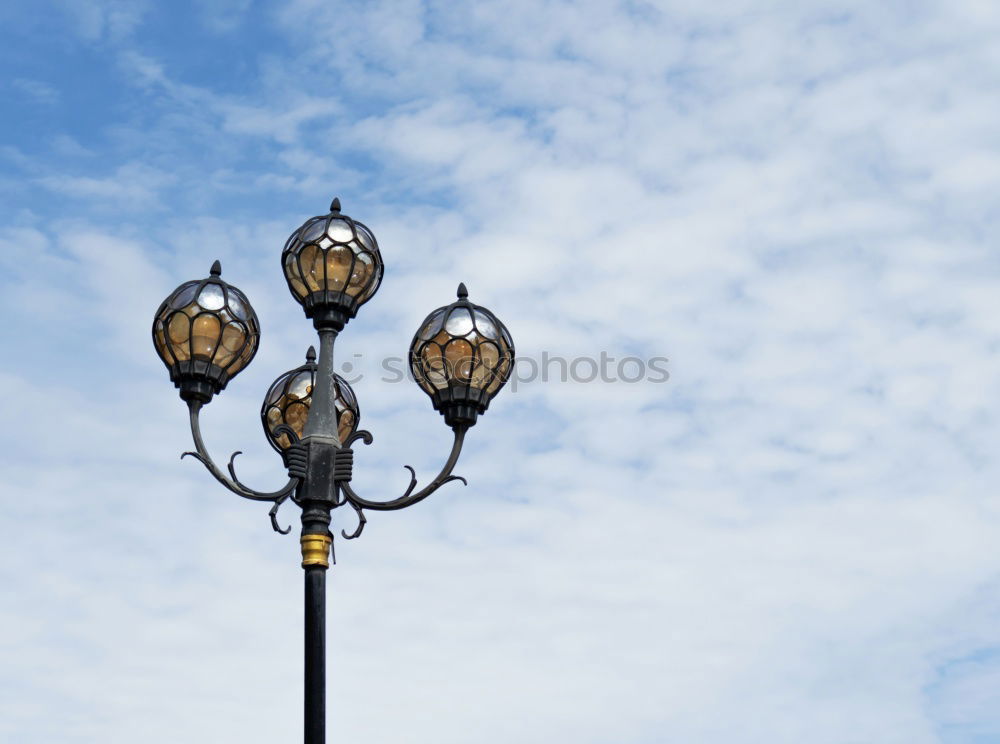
206, 332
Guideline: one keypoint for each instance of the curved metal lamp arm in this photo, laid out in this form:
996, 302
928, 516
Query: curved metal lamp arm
232, 483
409, 498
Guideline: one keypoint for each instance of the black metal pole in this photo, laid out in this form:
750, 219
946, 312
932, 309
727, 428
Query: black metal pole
315, 655
318, 495
316, 541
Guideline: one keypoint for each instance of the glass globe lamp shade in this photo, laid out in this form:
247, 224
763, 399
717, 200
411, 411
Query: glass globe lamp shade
205, 332
333, 266
286, 405
461, 356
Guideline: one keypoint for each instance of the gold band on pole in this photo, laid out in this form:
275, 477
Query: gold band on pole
316, 550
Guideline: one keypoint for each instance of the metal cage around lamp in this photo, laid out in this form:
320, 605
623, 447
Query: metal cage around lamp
461, 356
287, 402
205, 332
333, 266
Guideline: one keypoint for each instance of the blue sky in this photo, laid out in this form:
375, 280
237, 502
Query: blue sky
793, 539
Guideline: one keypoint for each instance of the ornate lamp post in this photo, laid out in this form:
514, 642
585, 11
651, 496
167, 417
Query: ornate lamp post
206, 332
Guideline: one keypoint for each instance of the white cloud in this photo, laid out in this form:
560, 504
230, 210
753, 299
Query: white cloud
225, 16
792, 540
131, 185
36, 91
96, 20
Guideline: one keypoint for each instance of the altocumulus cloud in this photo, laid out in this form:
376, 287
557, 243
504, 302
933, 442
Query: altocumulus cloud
794, 539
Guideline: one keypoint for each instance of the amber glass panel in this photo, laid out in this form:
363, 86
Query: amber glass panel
460, 361
362, 272
161, 343
480, 377
245, 356
205, 333
501, 375
346, 424
295, 416
420, 374
273, 422
233, 336
274, 417
433, 366
338, 267
294, 279
179, 330
223, 357
311, 260
489, 356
